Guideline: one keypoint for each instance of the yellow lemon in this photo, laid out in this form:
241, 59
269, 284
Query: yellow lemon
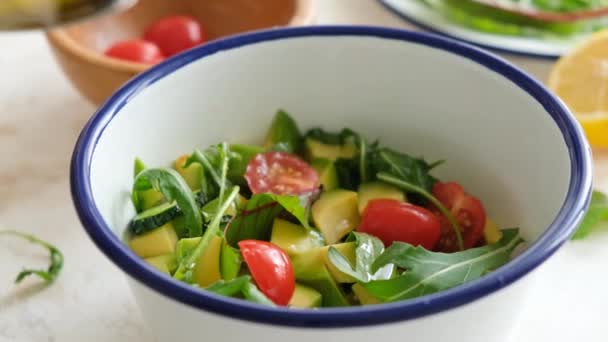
581, 79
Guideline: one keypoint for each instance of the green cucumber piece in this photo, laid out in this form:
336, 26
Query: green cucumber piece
154, 218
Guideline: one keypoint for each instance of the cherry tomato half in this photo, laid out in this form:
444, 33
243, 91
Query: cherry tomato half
271, 269
392, 220
175, 34
280, 173
136, 50
468, 211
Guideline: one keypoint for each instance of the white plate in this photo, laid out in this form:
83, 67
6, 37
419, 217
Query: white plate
421, 15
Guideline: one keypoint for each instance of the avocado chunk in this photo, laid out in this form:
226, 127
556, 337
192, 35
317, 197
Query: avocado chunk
293, 238
207, 269
315, 149
165, 263
491, 233
336, 214
193, 174
305, 297
237, 165
310, 270
320, 254
377, 190
230, 261
365, 298
326, 170
283, 132
184, 247
157, 242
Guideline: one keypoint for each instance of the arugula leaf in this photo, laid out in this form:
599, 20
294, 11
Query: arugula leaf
56, 264
368, 249
186, 267
428, 272
409, 169
428, 196
242, 285
253, 294
255, 220
596, 216
138, 167
284, 134
229, 288
174, 188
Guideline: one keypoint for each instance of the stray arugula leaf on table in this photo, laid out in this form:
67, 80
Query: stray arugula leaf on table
56, 259
597, 216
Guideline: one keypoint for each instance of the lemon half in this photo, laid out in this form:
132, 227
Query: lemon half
580, 78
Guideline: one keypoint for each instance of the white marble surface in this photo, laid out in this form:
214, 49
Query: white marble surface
40, 118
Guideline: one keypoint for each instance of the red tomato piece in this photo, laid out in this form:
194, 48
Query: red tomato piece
280, 173
392, 220
468, 211
175, 34
271, 269
136, 50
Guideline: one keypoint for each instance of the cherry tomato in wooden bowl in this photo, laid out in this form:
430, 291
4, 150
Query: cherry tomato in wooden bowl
175, 34
136, 50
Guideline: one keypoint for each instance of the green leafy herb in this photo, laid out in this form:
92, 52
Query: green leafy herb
255, 220
56, 264
138, 167
412, 170
284, 134
174, 188
597, 216
428, 272
252, 294
229, 288
186, 267
368, 249
428, 196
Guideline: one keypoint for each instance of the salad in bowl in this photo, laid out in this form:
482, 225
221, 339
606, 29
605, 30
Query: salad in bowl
320, 219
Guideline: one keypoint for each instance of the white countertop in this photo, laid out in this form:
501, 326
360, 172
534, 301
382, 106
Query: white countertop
40, 118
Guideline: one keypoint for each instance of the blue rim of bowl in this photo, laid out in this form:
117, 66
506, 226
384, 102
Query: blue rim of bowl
575, 204
412, 20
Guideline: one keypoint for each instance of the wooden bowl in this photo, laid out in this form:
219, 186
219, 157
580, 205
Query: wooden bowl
79, 48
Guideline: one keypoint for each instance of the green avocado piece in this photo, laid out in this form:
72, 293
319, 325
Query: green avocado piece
238, 164
305, 297
159, 241
184, 247
284, 132
377, 190
193, 174
326, 170
315, 149
293, 238
165, 263
336, 214
310, 270
230, 261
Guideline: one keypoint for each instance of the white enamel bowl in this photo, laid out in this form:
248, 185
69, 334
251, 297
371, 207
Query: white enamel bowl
504, 136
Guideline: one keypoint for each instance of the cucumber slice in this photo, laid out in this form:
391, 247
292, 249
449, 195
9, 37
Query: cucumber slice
153, 218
